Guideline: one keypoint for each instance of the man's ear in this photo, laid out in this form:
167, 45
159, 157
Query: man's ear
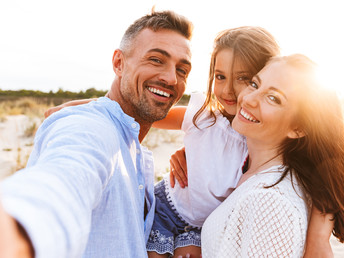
296, 133
118, 62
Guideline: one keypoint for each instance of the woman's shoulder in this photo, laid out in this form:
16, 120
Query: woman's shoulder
287, 192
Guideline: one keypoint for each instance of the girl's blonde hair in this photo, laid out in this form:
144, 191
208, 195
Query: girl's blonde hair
252, 46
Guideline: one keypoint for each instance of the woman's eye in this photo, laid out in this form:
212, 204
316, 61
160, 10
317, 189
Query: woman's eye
274, 99
254, 85
220, 77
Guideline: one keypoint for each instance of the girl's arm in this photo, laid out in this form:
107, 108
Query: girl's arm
318, 235
173, 120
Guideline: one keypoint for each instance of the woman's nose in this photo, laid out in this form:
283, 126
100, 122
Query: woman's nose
250, 97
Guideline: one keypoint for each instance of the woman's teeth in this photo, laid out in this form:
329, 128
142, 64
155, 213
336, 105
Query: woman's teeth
248, 117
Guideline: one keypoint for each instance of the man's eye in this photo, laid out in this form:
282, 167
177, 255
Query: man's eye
254, 85
182, 71
156, 60
274, 99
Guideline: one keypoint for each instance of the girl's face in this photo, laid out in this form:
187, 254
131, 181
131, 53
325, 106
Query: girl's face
230, 79
268, 106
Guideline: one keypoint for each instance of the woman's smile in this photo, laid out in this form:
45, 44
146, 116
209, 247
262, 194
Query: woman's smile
244, 114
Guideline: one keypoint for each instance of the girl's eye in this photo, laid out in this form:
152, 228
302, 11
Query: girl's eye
274, 99
243, 78
254, 85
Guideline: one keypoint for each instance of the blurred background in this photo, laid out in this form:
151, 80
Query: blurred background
64, 48
68, 44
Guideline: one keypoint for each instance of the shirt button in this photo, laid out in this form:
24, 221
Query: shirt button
140, 187
133, 125
138, 151
148, 166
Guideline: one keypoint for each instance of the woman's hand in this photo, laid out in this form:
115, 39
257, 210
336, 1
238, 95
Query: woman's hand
318, 235
67, 104
178, 168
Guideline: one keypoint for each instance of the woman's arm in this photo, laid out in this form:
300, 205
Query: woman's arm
318, 235
173, 120
178, 168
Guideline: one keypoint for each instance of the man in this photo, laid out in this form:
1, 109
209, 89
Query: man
88, 179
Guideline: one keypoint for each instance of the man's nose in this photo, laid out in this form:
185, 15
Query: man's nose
169, 76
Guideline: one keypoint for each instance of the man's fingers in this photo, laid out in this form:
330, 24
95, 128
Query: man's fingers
7, 235
14, 242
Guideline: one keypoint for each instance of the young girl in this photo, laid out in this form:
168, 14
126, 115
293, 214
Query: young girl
214, 151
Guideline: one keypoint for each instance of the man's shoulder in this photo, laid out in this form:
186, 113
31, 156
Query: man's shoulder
91, 114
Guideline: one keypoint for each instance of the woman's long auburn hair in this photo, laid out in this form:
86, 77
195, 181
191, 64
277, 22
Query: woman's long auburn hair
317, 158
253, 46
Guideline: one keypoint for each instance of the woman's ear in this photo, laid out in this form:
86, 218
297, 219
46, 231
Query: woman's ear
296, 133
117, 62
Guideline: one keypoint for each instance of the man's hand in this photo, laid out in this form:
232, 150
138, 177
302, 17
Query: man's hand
14, 242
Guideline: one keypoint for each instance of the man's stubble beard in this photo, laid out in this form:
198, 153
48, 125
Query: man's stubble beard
145, 109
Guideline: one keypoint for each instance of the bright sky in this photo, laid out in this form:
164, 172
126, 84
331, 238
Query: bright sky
68, 44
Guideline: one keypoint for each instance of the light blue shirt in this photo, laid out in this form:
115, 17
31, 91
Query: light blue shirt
82, 193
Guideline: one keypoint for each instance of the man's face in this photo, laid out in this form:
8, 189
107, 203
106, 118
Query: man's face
154, 74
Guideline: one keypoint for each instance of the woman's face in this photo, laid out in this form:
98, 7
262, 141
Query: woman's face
230, 79
268, 106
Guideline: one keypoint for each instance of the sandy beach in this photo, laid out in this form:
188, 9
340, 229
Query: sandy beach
15, 148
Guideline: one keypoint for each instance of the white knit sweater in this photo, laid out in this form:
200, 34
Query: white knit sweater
259, 222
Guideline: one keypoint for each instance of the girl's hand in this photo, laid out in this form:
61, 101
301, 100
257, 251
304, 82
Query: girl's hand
67, 104
178, 168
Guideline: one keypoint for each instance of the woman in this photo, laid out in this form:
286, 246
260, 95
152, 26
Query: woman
295, 139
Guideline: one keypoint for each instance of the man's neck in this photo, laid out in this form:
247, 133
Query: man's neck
115, 94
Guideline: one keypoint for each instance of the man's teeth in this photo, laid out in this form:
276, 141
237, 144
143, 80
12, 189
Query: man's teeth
248, 117
159, 92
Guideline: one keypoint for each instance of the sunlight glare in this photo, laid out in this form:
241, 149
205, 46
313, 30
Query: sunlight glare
328, 78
